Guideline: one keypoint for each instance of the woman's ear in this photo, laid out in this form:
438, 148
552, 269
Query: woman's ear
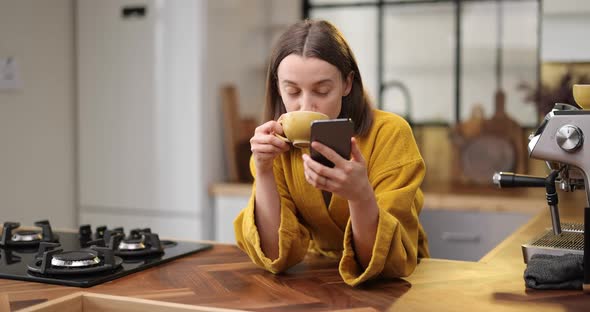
348, 83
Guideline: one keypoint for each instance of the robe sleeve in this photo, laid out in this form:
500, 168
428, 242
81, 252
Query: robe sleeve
396, 184
293, 236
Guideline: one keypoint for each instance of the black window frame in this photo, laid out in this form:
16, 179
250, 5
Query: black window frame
307, 6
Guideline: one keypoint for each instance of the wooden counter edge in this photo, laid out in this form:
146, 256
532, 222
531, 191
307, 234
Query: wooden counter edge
230, 189
432, 200
86, 301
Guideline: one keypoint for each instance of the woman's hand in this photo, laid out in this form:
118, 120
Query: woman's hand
265, 146
348, 179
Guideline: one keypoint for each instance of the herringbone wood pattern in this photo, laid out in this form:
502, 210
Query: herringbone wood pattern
225, 277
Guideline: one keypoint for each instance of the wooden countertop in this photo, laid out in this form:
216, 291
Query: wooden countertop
224, 277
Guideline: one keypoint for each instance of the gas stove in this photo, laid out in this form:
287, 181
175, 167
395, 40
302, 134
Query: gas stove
86, 258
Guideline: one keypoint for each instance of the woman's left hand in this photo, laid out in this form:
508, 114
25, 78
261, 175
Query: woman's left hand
348, 179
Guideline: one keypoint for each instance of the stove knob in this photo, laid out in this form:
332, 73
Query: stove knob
85, 231
100, 231
134, 234
569, 138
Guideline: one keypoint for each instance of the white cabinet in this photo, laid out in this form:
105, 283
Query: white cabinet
227, 208
467, 235
140, 116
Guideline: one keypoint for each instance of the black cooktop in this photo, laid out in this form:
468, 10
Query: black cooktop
86, 258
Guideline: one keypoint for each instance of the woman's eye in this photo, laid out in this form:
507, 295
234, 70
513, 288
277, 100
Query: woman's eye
292, 91
322, 92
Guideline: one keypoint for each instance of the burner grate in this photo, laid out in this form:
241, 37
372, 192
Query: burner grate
51, 260
12, 237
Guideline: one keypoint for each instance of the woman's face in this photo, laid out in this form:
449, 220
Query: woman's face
311, 84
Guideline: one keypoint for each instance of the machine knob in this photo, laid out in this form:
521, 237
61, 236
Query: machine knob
569, 138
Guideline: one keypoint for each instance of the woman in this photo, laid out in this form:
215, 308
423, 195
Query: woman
363, 211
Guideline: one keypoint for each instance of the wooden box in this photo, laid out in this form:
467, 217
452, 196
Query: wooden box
90, 302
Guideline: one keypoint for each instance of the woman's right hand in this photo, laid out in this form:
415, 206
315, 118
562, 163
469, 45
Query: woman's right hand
265, 146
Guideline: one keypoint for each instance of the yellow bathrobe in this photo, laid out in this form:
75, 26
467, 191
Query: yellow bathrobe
395, 169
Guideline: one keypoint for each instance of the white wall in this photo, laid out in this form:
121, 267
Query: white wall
240, 36
37, 122
565, 31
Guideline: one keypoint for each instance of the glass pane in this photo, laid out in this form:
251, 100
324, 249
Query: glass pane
419, 62
359, 27
336, 2
404, 1
516, 40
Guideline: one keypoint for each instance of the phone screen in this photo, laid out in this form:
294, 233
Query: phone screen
334, 133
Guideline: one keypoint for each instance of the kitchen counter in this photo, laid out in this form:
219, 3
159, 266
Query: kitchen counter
224, 277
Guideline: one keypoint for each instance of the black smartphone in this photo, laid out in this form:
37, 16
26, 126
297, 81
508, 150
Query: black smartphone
334, 133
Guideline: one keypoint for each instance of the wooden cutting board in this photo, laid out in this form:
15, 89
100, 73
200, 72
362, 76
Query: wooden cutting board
237, 132
484, 146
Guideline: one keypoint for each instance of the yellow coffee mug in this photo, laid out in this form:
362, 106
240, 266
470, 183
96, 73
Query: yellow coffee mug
582, 95
297, 126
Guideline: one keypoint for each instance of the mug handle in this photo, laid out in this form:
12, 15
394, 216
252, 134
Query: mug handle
284, 139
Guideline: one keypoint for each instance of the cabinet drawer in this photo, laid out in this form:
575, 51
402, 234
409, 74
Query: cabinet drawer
461, 235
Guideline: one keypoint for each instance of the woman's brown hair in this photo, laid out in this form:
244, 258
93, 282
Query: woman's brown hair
319, 39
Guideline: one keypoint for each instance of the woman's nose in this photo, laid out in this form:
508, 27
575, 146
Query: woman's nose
306, 103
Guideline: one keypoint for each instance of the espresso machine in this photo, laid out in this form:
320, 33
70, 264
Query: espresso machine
560, 142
